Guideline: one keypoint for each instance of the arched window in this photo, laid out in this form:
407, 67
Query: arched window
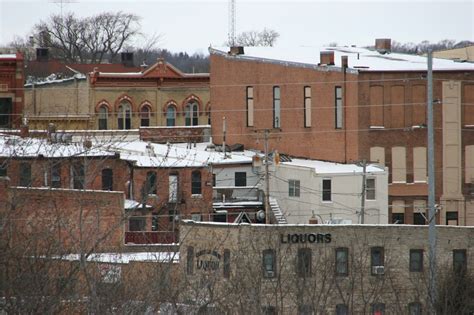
145, 116
191, 114
103, 117
196, 183
124, 115
171, 116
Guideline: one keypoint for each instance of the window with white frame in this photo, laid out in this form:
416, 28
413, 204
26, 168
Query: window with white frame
294, 188
370, 188
124, 116
307, 106
276, 107
339, 114
327, 190
191, 114
171, 116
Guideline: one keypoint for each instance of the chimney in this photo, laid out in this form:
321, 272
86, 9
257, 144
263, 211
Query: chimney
42, 54
326, 58
344, 62
236, 50
127, 59
24, 131
383, 45
313, 221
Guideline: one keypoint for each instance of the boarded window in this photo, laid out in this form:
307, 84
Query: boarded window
376, 106
399, 169
378, 154
339, 114
397, 99
250, 105
418, 105
469, 161
419, 165
307, 106
468, 104
276, 107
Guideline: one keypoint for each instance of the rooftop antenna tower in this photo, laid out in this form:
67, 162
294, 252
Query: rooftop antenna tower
231, 23
62, 3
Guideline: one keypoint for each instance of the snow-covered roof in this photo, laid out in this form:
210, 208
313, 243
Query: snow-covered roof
359, 59
132, 205
7, 56
125, 258
323, 167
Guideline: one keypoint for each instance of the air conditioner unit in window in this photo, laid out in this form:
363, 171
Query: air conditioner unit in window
378, 270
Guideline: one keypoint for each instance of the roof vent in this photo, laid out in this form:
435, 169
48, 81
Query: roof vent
383, 45
326, 58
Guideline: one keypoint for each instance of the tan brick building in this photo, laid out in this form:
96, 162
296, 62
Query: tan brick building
318, 269
346, 104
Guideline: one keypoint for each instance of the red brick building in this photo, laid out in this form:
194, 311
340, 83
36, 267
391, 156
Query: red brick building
11, 90
346, 104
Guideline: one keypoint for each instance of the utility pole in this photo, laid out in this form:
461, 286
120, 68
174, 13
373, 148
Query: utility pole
267, 183
364, 183
431, 188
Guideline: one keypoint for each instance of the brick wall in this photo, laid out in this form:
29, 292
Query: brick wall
175, 134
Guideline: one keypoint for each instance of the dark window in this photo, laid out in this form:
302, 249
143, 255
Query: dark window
276, 107
78, 175
419, 218
137, 224
377, 260
342, 309
370, 189
269, 310
191, 114
150, 186
327, 190
3, 168
398, 218
304, 262
103, 117
25, 174
249, 106
269, 263
145, 116
305, 309
240, 179
196, 183
293, 188
107, 179
226, 263
213, 180
124, 116
377, 309
6, 109
155, 221
414, 308
171, 116
338, 108
459, 260
307, 106
56, 175
416, 260
190, 260
451, 218
342, 261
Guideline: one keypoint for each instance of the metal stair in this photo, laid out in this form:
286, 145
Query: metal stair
280, 218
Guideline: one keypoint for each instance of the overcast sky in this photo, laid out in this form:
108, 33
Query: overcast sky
193, 25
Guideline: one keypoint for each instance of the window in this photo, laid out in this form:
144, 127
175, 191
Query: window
398, 218
451, 218
171, 116
399, 166
249, 106
155, 222
190, 260
293, 188
269, 263
226, 263
124, 115
305, 309
370, 188
196, 183
327, 190
240, 179
377, 260
419, 218
338, 107
107, 179
276, 107
56, 175
377, 309
78, 175
419, 165
416, 260
137, 224
191, 114
459, 260
25, 174
173, 188
303, 265
150, 185
3, 168
414, 308
103, 117
145, 116
342, 261
6, 110
307, 106
214, 180
342, 309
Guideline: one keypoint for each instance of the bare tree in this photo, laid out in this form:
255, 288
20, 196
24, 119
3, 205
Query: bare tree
266, 37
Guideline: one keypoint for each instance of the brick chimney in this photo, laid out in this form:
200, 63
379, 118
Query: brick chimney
326, 58
383, 45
